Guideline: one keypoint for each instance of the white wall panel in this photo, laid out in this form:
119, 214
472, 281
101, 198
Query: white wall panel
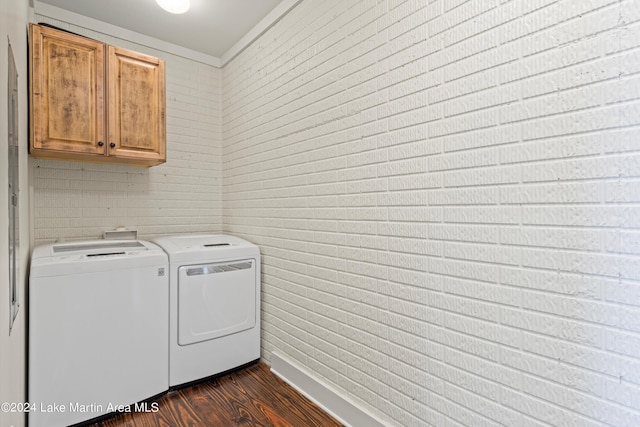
445, 194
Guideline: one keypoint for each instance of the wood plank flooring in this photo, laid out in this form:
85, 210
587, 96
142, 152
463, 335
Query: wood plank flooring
252, 396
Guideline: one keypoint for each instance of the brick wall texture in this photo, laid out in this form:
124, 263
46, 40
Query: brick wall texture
445, 193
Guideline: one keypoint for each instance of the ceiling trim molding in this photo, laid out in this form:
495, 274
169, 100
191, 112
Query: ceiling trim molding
115, 31
267, 22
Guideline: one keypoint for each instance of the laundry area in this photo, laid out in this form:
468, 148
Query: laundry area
320, 212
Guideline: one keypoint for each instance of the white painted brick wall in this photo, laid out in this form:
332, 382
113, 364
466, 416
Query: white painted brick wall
446, 198
80, 200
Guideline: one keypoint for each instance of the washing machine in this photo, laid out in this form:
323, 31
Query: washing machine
98, 329
214, 305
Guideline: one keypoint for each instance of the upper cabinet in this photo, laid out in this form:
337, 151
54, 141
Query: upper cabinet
136, 105
94, 102
67, 94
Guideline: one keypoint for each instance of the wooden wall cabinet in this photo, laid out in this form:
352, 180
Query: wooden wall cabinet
93, 102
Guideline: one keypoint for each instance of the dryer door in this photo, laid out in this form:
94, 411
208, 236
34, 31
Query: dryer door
215, 300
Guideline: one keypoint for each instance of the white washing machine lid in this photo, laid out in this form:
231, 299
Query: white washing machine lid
93, 255
206, 246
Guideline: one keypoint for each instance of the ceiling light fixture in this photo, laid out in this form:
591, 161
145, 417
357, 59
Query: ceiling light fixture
174, 6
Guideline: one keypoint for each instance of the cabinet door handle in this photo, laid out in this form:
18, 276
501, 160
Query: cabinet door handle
112, 145
100, 143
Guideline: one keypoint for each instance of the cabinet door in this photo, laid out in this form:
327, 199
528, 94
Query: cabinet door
67, 94
136, 106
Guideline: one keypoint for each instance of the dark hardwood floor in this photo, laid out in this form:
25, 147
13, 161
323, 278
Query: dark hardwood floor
252, 396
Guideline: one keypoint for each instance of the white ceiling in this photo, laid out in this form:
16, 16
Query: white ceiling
210, 27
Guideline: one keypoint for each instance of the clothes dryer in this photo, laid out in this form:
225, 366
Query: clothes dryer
214, 305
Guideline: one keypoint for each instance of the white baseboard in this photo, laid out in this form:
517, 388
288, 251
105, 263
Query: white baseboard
329, 400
